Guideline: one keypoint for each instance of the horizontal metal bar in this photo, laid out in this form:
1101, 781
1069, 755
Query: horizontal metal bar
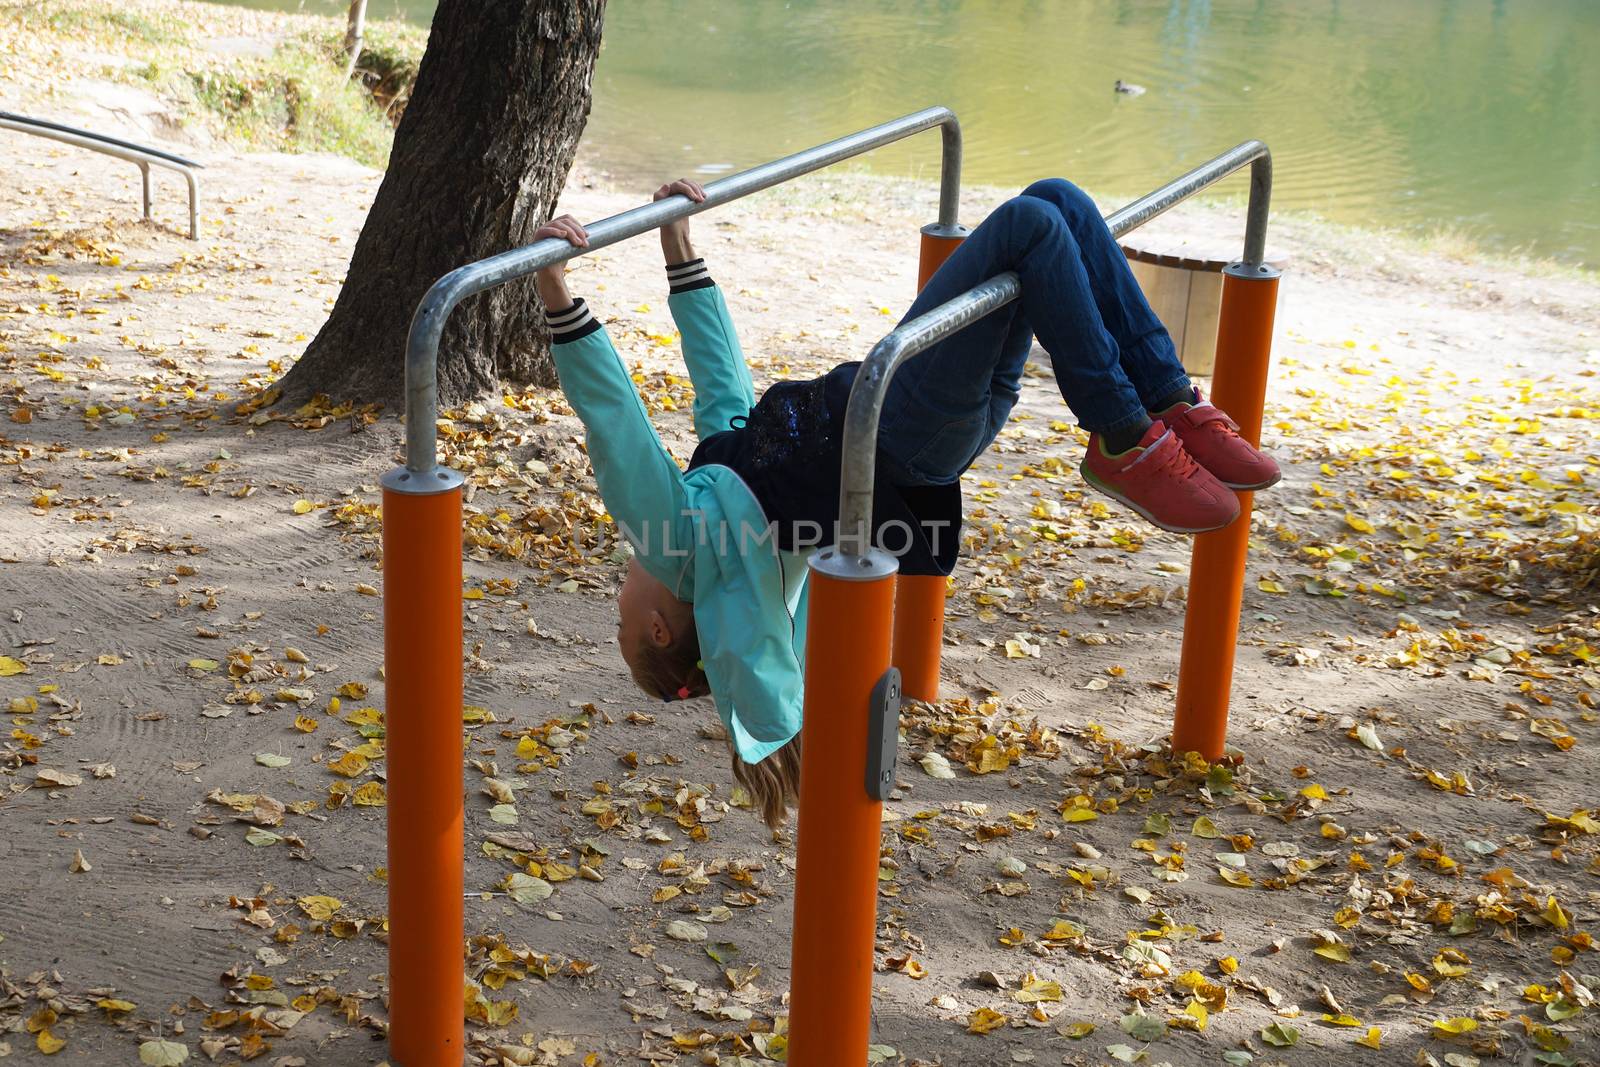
871, 386
427, 324
111, 146
31, 123
1253, 154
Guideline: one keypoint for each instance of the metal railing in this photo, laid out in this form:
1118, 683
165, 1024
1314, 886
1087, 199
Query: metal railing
422, 629
857, 639
921, 333
427, 324
143, 156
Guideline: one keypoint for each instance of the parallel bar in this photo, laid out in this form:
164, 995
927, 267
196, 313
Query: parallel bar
1255, 219
141, 156
872, 385
29, 124
911, 338
427, 324
949, 174
1251, 153
422, 653
830, 1016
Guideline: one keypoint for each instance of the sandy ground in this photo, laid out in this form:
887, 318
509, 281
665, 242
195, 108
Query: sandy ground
192, 831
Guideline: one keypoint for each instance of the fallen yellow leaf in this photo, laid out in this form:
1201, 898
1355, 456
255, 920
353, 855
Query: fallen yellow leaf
1454, 1026
350, 764
1358, 524
370, 795
984, 1020
320, 908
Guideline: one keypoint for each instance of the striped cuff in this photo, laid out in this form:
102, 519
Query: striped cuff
683, 277
571, 323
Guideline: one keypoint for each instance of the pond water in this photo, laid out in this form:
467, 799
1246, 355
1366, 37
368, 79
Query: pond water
1481, 116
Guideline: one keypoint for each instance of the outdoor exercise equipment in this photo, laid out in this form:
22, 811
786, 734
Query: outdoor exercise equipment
836, 873
869, 637
422, 599
143, 156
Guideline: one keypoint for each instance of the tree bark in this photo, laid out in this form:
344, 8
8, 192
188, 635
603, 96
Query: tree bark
482, 152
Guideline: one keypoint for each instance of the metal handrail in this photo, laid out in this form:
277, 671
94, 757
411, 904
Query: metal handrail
141, 155
871, 386
427, 324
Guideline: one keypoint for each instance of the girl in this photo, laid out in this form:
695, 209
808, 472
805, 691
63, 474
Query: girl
714, 599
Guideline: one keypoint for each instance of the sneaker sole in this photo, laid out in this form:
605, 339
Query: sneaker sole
1276, 478
1089, 476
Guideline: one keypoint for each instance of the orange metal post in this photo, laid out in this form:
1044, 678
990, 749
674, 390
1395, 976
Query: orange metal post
1216, 570
836, 873
919, 598
422, 670
919, 633
937, 244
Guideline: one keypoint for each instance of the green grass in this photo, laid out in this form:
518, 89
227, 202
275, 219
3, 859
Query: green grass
390, 56
98, 24
295, 100
298, 100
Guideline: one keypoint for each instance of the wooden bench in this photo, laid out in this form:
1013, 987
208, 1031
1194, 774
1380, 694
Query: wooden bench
1184, 287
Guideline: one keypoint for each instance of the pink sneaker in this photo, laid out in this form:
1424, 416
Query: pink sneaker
1213, 440
1157, 479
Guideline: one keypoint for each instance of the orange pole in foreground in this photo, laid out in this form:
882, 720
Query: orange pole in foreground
1217, 568
422, 675
836, 871
919, 598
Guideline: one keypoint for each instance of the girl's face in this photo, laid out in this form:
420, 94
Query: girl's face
643, 609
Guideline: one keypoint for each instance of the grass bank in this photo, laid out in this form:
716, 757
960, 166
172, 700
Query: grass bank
262, 80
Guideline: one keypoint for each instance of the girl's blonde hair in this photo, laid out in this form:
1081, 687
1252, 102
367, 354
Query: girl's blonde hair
773, 783
673, 672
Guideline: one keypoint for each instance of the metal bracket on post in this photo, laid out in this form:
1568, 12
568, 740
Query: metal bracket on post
883, 734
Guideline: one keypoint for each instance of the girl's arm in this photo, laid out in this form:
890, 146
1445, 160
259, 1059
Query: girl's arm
640, 482
722, 387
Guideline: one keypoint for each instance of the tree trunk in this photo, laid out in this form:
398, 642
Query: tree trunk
501, 98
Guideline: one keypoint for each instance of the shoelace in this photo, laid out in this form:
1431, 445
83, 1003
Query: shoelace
1176, 460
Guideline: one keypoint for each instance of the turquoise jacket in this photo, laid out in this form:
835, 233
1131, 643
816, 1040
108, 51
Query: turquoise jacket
703, 534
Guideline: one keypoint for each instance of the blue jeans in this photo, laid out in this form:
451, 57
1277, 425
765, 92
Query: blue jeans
1111, 355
